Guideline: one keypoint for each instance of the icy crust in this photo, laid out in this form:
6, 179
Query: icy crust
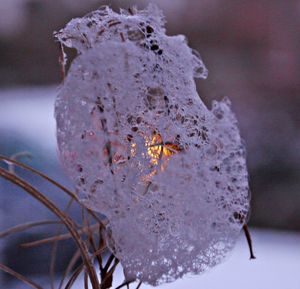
142, 148
143, 28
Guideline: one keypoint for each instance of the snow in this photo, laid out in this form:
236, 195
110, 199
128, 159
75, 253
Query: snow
142, 148
276, 266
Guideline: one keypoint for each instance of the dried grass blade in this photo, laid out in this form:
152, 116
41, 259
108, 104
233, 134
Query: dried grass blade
108, 263
54, 250
8, 160
74, 276
26, 226
71, 264
90, 235
64, 218
108, 278
86, 281
126, 283
53, 182
20, 277
57, 238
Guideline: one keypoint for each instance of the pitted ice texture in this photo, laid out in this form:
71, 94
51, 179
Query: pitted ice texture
142, 148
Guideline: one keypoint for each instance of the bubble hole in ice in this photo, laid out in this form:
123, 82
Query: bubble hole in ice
143, 149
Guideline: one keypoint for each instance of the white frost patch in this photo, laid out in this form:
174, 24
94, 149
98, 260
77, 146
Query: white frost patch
143, 149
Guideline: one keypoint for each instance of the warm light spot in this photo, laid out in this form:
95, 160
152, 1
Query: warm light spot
154, 148
133, 149
158, 150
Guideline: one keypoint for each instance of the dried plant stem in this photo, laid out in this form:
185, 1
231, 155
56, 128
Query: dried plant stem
107, 278
108, 263
71, 264
53, 182
74, 276
64, 218
11, 161
90, 235
102, 244
54, 250
249, 241
126, 283
58, 237
26, 226
86, 281
20, 277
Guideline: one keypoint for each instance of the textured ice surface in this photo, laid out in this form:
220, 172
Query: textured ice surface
144, 150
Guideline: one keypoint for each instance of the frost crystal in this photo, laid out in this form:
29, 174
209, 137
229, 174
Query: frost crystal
143, 149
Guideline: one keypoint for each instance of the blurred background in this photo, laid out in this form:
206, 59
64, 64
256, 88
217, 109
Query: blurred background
251, 49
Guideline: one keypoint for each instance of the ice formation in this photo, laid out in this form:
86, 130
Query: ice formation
143, 149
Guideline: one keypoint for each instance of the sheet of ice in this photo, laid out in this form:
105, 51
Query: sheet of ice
144, 150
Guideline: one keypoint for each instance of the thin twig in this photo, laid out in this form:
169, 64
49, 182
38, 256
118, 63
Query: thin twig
57, 238
86, 281
91, 237
249, 241
101, 244
107, 280
71, 264
54, 250
108, 263
20, 277
114, 266
74, 276
126, 283
26, 226
139, 285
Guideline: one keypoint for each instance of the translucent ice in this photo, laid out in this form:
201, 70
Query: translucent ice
143, 149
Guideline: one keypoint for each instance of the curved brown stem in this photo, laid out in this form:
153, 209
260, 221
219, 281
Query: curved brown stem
53, 182
19, 276
62, 216
249, 241
26, 226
